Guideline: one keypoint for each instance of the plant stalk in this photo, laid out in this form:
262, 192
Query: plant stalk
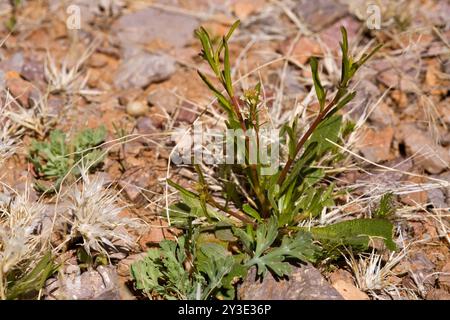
238, 215
320, 117
253, 172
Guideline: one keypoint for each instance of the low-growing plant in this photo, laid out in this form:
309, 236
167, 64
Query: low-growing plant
25, 260
263, 226
92, 219
11, 23
59, 157
185, 269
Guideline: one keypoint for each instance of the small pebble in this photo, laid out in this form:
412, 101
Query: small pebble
136, 108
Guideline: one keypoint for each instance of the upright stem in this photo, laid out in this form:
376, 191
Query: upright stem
320, 117
244, 218
253, 171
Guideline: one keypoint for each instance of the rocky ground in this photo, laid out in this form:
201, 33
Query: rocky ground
132, 66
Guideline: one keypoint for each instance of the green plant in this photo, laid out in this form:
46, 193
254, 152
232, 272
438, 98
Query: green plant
262, 223
12, 21
59, 157
25, 259
196, 267
185, 269
26, 286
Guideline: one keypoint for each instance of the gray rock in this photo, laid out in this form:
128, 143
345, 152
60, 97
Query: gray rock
99, 284
14, 63
304, 283
33, 70
446, 177
145, 125
385, 178
397, 73
143, 69
151, 24
164, 99
319, 14
422, 270
437, 198
89, 9
383, 116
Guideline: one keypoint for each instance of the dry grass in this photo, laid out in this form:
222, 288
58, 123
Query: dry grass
68, 78
371, 272
92, 213
36, 119
22, 241
7, 143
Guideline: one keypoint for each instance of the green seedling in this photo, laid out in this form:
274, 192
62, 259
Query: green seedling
58, 158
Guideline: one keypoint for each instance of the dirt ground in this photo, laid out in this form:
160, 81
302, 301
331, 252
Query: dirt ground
132, 67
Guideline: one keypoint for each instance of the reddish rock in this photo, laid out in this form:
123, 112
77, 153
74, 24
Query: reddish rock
123, 267
397, 73
444, 277
426, 153
20, 89
375, 145
340, 274
343, 282
302, 50
415, 198
349, 291
383, 116
158, 231
33, 70
187, 113
164, 99
332, 36
400, 98
245, 8
437, 294
159, 117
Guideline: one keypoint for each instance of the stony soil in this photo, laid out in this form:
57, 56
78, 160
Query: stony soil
140, 68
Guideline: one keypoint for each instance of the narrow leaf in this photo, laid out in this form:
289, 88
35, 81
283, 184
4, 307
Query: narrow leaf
227, 69
357, 232
251, 212
320, 92
220, 97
